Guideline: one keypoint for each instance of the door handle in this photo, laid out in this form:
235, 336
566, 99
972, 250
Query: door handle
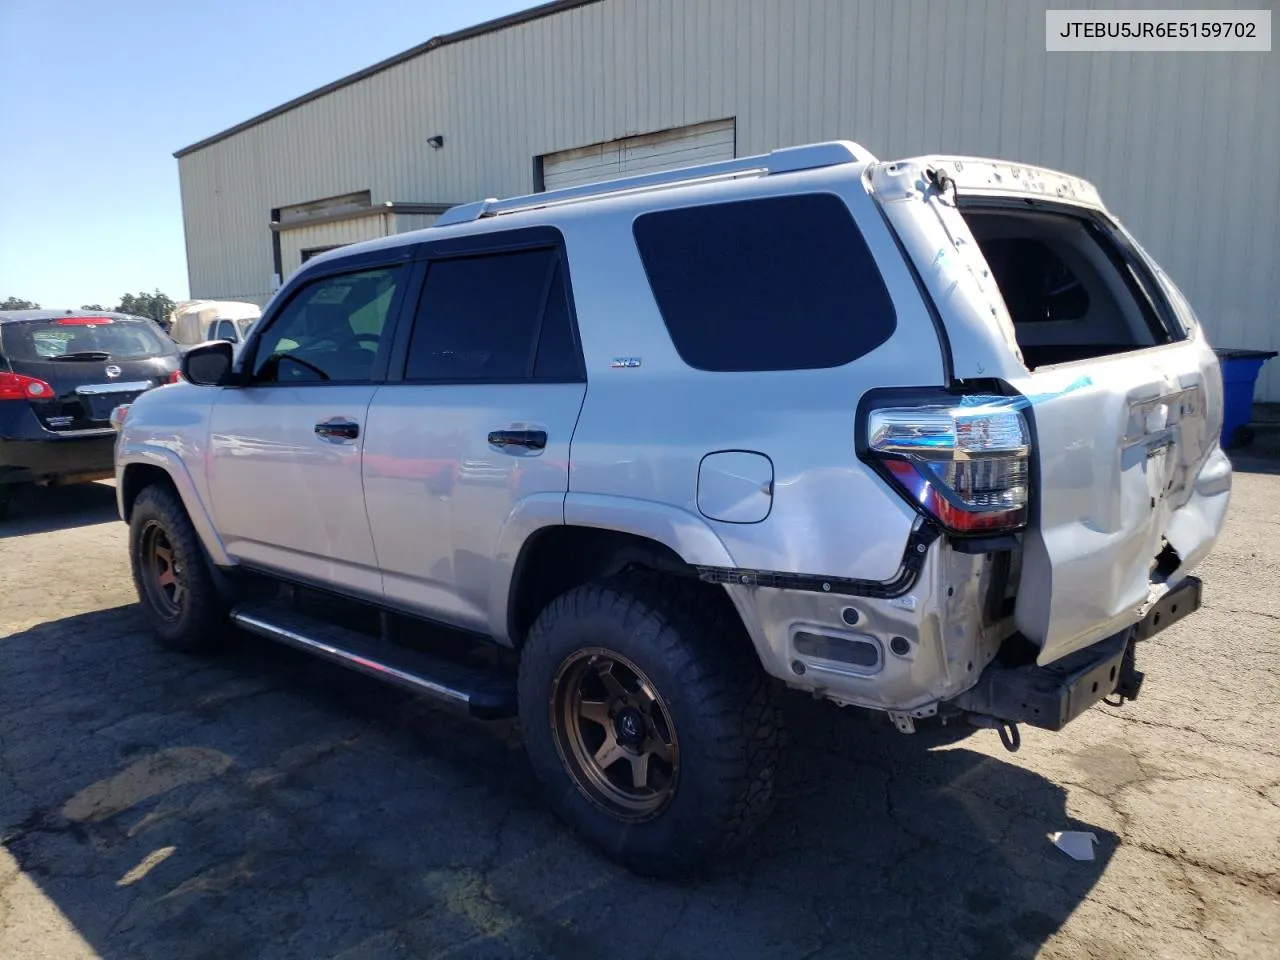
338, 430
529, 439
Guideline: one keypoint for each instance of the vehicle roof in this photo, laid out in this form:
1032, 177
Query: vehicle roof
740, 178
720, 181
10, 316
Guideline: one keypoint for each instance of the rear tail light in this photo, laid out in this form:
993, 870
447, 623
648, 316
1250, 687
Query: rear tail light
175, 377
14, 386
965, 465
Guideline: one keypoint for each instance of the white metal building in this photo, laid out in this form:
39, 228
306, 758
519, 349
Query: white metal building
1183, 146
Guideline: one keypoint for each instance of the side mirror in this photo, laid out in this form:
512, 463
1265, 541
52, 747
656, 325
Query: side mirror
208, 364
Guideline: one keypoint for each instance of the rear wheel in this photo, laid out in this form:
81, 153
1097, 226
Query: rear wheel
171, 573
650, 722
614, 733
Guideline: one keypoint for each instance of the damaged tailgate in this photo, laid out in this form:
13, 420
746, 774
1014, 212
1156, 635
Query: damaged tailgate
1130, 488
1132, 491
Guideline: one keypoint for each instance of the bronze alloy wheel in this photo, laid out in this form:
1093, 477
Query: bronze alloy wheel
162, 574
614, 734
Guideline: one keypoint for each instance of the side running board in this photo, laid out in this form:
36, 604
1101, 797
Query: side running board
486, 694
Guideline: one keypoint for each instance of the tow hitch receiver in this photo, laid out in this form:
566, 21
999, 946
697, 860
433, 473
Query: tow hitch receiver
1052, 696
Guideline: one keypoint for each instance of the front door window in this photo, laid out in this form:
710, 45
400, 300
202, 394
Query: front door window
330, 332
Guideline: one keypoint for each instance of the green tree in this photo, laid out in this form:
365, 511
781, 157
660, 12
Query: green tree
154, 305
17, 303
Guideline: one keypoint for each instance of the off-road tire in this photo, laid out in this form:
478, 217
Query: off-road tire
200, 623
725, 710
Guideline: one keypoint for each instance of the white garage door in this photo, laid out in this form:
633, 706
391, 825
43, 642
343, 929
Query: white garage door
681, 147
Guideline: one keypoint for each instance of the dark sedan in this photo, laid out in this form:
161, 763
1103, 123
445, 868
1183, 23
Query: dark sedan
61, 374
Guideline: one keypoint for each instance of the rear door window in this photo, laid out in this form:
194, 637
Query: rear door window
494, 318
778, 283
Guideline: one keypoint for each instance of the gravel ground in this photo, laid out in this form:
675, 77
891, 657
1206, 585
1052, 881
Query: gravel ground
261, 804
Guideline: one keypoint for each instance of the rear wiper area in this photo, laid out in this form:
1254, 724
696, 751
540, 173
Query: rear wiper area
84, 355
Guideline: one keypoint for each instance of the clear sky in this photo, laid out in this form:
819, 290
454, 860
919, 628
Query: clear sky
96, 95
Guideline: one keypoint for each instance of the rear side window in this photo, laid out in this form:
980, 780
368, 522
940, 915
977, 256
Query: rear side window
494, 318
73, 339
780, 283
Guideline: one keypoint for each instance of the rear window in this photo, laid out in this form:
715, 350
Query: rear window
1067, 287
1038, 287
51, 339
779, 283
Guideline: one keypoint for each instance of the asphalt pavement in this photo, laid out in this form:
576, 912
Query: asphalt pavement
261, 804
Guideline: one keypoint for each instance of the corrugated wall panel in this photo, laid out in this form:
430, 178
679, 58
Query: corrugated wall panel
681, 147
407, 222
295, 240
1182, 146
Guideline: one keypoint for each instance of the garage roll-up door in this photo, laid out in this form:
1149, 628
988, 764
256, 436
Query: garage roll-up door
665, 150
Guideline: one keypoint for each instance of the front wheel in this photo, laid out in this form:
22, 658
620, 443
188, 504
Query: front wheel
172, 575
650, 722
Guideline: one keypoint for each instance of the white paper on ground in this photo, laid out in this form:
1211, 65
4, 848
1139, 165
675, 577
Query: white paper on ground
1076, 844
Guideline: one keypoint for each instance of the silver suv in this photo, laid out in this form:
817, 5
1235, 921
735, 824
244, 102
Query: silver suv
935, 438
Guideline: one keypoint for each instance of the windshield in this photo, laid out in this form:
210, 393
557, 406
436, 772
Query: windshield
105, 340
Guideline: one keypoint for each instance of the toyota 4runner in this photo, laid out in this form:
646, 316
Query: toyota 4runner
936, 438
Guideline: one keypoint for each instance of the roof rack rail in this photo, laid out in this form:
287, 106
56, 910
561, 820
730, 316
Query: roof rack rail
785, 160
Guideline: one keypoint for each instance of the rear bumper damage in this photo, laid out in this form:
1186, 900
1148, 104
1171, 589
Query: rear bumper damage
1051, 696
947, 647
